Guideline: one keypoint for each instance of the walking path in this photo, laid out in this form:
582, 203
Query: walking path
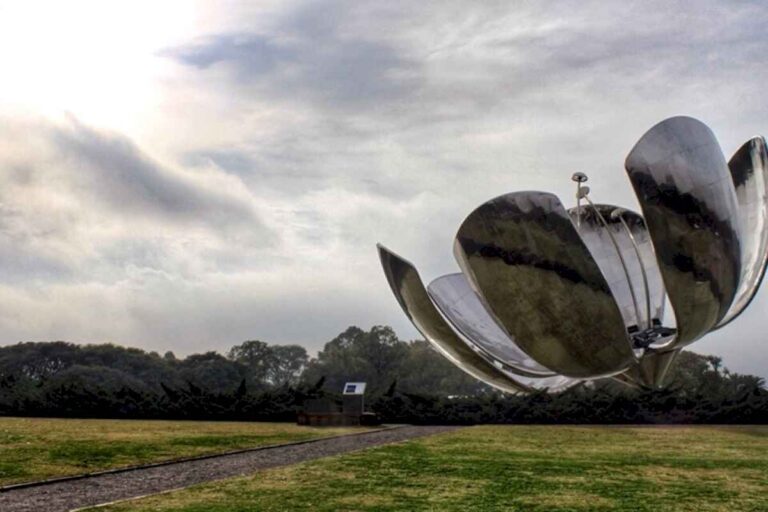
69, 494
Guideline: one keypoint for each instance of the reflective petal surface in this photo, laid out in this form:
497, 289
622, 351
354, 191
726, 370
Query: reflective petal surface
655, 365
553, 384
652, 368
523, 256
686, 194
603, 241
413, 298
749, 167
461, 306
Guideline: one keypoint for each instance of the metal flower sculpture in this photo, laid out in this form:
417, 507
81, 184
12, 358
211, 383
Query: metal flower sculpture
550, 297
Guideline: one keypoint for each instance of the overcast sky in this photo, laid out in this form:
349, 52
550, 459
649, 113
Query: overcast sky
185, 176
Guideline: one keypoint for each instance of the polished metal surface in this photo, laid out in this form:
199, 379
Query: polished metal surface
686, 194
413, 298
522, 254
581, 192
622, 264
462, 308
620, 213
548, 298
655, 365
652, 368
627, 379
624, 268
749, 169
553, 384
579, 177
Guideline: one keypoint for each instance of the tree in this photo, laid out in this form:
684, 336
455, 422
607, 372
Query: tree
286, 363
256, 356
373, 356
409, 382
424, 370
212, 371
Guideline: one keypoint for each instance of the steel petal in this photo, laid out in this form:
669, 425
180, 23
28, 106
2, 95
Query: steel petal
685, 191
464, 311
627, 230
553, 384
413, 298
652, 368
628, 378
655, 365
749, 167
522, 255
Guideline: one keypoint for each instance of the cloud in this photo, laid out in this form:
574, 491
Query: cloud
287, 138
101, 242
114, 172
238, 162
309, 57
86, 215
423, 111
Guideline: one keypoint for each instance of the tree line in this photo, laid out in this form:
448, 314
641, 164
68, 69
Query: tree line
408, 382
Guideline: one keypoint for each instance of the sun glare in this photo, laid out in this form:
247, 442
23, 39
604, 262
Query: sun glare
99, 61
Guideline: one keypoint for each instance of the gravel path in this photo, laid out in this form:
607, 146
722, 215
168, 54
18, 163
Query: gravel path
94, 490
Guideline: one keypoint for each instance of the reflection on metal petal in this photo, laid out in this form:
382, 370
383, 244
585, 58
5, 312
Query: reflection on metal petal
553, 384
684, 188
523, 256
650, 370
749, 169
627, 378
642, 303
655, 365
461, 306
412, 296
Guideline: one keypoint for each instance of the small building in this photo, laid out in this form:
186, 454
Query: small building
327, 412
353, 398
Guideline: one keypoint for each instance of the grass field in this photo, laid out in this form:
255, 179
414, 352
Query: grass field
37, 448
510, 468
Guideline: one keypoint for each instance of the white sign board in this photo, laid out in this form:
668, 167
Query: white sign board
354, 388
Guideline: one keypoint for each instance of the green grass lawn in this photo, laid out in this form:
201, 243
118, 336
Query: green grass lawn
37, 448
510, 468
